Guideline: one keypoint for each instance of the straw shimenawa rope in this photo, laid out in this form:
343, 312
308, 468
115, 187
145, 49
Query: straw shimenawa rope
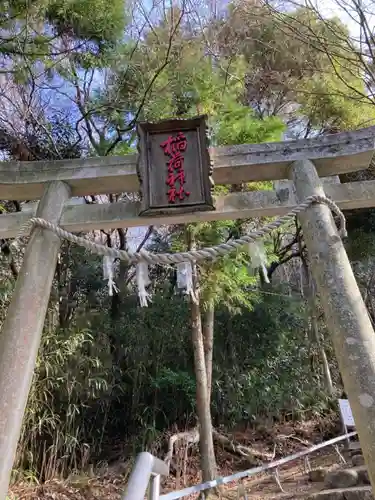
209, 253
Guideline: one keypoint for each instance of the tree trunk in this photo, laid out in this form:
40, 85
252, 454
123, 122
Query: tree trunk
208, 340
206, 444
308, 290
208, 462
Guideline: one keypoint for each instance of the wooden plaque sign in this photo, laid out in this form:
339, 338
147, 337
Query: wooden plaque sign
174, 166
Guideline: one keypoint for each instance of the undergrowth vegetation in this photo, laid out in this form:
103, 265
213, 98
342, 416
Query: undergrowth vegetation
109, 389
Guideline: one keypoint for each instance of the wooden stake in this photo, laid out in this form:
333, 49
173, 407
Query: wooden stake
22, 329
345, 312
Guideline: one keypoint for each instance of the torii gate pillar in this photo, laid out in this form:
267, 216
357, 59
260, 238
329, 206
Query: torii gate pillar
23, 326
345, 311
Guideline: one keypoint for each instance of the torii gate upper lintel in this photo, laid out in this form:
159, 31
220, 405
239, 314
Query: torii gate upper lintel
332, 155
301, 161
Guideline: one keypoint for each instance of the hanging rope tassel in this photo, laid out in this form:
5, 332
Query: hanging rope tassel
108, 274
258, 258
143, 280
185, 279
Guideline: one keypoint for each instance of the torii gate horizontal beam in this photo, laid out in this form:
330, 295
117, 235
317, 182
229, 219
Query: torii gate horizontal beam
252, 204
332, 154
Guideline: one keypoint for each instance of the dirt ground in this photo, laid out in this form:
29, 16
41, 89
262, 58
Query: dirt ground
285, 439
293, 478
262, 487
289, 438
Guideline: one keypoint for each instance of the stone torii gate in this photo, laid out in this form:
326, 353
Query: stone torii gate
303, 162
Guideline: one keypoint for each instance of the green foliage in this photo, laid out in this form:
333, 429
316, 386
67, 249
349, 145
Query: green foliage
361, 244
328, 103
274, 353
70, 381
228, 281
30, 30
92, 387
236, 124
297, 65
100, 21
175, 386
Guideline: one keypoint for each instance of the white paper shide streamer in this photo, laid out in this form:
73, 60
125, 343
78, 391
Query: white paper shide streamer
143, 280
108, 274
258, 258
185, 277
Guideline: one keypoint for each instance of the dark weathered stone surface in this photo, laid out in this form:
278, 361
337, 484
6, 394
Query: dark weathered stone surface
344, 478
362, 472
327, 495
355, 447
357, 493
317, 475
358, 460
